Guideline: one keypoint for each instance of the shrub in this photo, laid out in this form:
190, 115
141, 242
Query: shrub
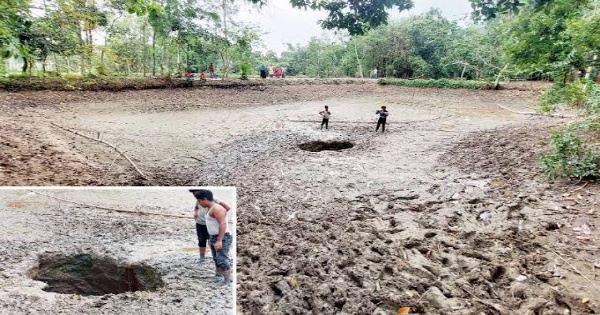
437, 83
246, 69
582, 94
570, 158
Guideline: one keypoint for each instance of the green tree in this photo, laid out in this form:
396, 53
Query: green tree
538, 39
355, 16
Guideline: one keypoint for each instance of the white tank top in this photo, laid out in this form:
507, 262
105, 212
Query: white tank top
212, 225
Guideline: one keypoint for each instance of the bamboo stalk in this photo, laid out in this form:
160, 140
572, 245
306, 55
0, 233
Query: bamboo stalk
113, 209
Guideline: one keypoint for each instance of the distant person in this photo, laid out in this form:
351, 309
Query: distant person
202, 76
325, 114
383, 114
200, 216
277, 72
375, 73
283, 72
270, 71
211, 71
263, 71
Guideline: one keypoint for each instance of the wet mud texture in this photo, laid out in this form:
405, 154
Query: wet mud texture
90, 255
446, 213
451, 242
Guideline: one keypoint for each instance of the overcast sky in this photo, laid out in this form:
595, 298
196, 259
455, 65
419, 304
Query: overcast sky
284, 24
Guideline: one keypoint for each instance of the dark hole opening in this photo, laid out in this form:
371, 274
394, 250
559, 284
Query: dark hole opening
318, 146
85, 274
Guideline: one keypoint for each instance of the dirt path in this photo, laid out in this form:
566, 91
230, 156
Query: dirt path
35, 226
445, 213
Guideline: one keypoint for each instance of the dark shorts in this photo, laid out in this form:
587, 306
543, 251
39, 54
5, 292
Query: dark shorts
221, 257
263, 74
202, 235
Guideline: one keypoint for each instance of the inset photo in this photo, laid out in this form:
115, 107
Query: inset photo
117, 250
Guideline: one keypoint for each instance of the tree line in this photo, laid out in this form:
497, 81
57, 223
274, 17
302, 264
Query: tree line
531, 39
535, 39
126, 37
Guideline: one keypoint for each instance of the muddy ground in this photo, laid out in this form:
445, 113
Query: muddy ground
161, 250
445, 213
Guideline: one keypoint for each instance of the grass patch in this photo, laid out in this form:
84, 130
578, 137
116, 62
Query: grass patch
438, 83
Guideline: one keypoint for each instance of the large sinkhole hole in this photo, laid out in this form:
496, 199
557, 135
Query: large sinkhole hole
318, 146
87, 274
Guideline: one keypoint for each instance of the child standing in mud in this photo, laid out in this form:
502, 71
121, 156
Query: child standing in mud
383, 114
220, 237
200, 216
325, 114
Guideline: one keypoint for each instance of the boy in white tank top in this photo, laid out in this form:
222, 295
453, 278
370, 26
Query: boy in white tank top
200, 217
220, 234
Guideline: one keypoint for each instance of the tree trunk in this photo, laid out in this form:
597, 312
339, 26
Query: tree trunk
179, 56
153, 53
82, 51
359, 61
588, 71
25, 65
497, 82
56, 64
144, 50
168, 61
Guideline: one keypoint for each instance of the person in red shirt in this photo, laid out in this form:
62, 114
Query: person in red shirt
277, 72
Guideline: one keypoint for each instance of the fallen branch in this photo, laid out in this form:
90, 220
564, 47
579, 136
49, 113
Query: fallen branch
108, 170
580, 188
112, 209
106, 143
575, 269
194, 158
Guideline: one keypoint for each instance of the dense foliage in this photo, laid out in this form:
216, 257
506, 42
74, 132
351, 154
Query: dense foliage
423, 46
